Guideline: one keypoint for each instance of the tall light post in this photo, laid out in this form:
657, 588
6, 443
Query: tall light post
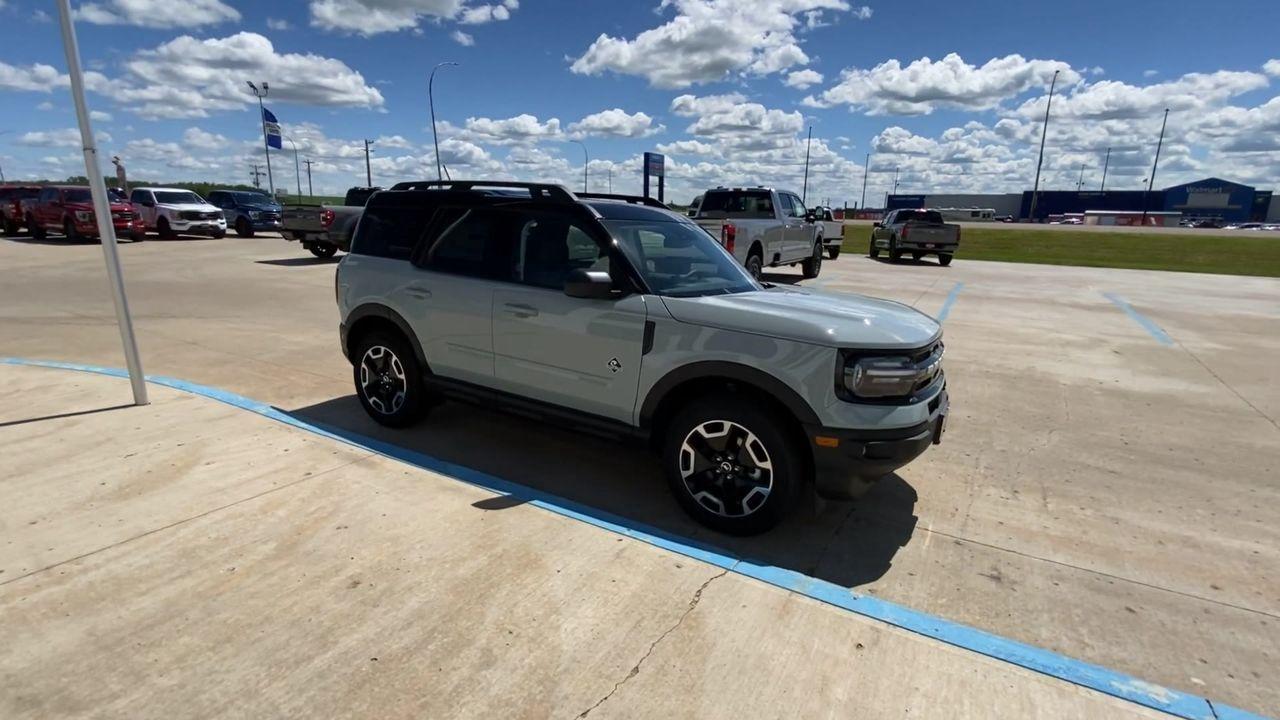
1105, 163
3, 132
866, 167
1035, 190
101, 206
610, 178
262, 120
297, 173
431, 100
804, 190
586, 160
1152, 180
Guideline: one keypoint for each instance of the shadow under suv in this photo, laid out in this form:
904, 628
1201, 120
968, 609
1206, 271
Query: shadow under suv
614, 315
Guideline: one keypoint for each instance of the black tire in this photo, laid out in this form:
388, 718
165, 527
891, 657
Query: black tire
163, 229
10, 227
737, 487
755, 264
833, 253
894, 253
243, 228
384, 366
917, 255
138, 236
813, 264
873, 251
944, 259
324, 252
37, 231
69, 231
219, 234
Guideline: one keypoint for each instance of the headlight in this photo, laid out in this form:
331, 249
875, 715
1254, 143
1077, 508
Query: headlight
84, 215
886, 377
255, 215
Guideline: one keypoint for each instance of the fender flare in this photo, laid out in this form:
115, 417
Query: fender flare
732, 371
382, 312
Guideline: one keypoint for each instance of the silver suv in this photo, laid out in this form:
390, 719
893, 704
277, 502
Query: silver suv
612, 314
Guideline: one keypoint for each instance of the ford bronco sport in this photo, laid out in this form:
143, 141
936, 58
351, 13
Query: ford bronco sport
614, 315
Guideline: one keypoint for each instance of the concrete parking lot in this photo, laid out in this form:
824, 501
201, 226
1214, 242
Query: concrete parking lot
1107, 489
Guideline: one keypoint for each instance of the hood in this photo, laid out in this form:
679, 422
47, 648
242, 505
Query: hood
818, 318
256, 207
185, 207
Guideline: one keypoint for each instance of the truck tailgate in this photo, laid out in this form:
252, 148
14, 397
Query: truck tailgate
929, 234
712, 226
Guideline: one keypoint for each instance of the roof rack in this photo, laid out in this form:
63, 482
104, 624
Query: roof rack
633, 199
548, 191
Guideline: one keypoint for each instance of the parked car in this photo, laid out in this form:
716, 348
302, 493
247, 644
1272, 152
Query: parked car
174, 211
918, 232
1244, 226
12, 215
763, 227
620, 317
1207, 223
247, 211
832, 230
325, 229
68, 209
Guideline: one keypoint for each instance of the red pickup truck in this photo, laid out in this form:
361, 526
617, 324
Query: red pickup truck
12, 216
68, 209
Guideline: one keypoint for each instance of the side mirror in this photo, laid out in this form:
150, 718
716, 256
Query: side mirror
876, 224
589, 284
693, 212
810, 217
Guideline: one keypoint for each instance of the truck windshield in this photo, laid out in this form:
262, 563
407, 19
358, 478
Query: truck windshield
737, 204
77, 195
252, 198
679, 259
929, 216
178, 198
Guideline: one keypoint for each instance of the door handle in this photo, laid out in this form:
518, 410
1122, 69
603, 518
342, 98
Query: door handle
521, 310
418, 292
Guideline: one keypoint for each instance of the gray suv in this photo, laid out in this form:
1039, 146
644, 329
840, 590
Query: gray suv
612, 314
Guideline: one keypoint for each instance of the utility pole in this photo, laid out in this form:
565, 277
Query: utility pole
1080, 182
1035, 190
586, 160
256, 174
296, 175
610, 178
1105, 163
368, 172
1152, 180
262, 120
431, 99
866, 166
804, 190
895, 180
307, 162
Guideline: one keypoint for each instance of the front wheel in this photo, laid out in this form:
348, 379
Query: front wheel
323, 252
163, 229
944, 259
731, 465
813, 264
874, 250
37, 230
69, 231
833, 253
389, 380
243, 228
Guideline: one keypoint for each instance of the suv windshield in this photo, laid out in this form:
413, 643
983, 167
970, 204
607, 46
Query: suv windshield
679, 259
737, 204
178, 198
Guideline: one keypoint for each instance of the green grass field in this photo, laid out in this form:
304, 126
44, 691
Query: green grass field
1248, 253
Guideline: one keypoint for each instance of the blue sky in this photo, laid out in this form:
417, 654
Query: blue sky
948, 94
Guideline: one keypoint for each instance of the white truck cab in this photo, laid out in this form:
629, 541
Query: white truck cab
763, 227
174, 211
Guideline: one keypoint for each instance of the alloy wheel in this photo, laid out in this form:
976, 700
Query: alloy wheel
382, 380
726, 468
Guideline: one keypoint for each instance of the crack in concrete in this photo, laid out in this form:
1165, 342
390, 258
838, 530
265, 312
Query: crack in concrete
635, 669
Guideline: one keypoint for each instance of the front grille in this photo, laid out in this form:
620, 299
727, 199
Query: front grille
198, 215
270, 216
122, 216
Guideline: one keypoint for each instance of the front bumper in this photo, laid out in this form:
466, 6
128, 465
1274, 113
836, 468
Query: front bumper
846, 461
122, 227
205, 227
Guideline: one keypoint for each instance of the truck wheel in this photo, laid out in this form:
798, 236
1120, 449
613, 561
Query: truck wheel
323, 251
944, 259
243, 228
894, 253
163, 229
388, 380
755, 264
873, 251
833, 253
917, 255
69, 231
37, 230
731, 465
219, 234
10, 227
813, 264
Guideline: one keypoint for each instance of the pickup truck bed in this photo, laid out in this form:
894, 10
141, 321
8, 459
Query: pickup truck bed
763, 228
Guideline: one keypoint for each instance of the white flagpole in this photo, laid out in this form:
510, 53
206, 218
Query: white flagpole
101, 206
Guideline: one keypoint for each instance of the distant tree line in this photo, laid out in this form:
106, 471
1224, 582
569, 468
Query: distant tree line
200, 188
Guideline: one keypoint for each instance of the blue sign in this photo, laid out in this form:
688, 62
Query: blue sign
655, 164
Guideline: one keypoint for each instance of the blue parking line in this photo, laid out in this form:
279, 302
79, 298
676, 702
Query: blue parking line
1096, 677
1147, 323
951, 300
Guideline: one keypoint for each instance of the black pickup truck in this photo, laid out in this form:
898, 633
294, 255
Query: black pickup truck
325, 229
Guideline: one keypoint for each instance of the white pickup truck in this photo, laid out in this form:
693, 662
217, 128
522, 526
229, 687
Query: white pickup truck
832, 230
763, 228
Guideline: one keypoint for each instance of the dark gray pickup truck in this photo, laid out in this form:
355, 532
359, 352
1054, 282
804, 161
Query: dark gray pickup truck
325, 229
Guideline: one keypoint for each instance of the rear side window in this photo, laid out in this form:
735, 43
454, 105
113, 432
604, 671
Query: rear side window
739, 204
48, 194
390, 231
477, 242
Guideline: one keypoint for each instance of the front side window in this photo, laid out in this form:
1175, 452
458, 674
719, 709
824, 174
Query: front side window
140, 196
679, 259
550, 247
797, 207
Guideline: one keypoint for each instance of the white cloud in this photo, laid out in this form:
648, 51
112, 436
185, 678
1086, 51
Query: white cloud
688, 147
462, 38
1111, 99
31, 78
802, 79
371, 17
100, 116
518, 130
862, 12
198, 139
1150, 73
64, 137
707, 41
41, 16
616, 123
1097, 70
278, 24
1272, 68
157, 13
187, 77
46, 106
731, 115
925, 85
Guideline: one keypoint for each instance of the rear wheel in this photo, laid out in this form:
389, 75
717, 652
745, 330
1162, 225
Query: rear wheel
894, 253
833, 253
731, 464
10, 226
323, 251
917, 255
243, 228
944, 259
755, 264
37, 230
389, 380
813, 264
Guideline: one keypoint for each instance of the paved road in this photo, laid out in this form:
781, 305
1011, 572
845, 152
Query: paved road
1101, 493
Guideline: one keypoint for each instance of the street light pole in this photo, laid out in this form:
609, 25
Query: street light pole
1035, 190
431, 100
586, 160
101, 207
262, 120
1080, 182
804, 190
866, 167
1105, 163
297, 174
1152, 180
368, 171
